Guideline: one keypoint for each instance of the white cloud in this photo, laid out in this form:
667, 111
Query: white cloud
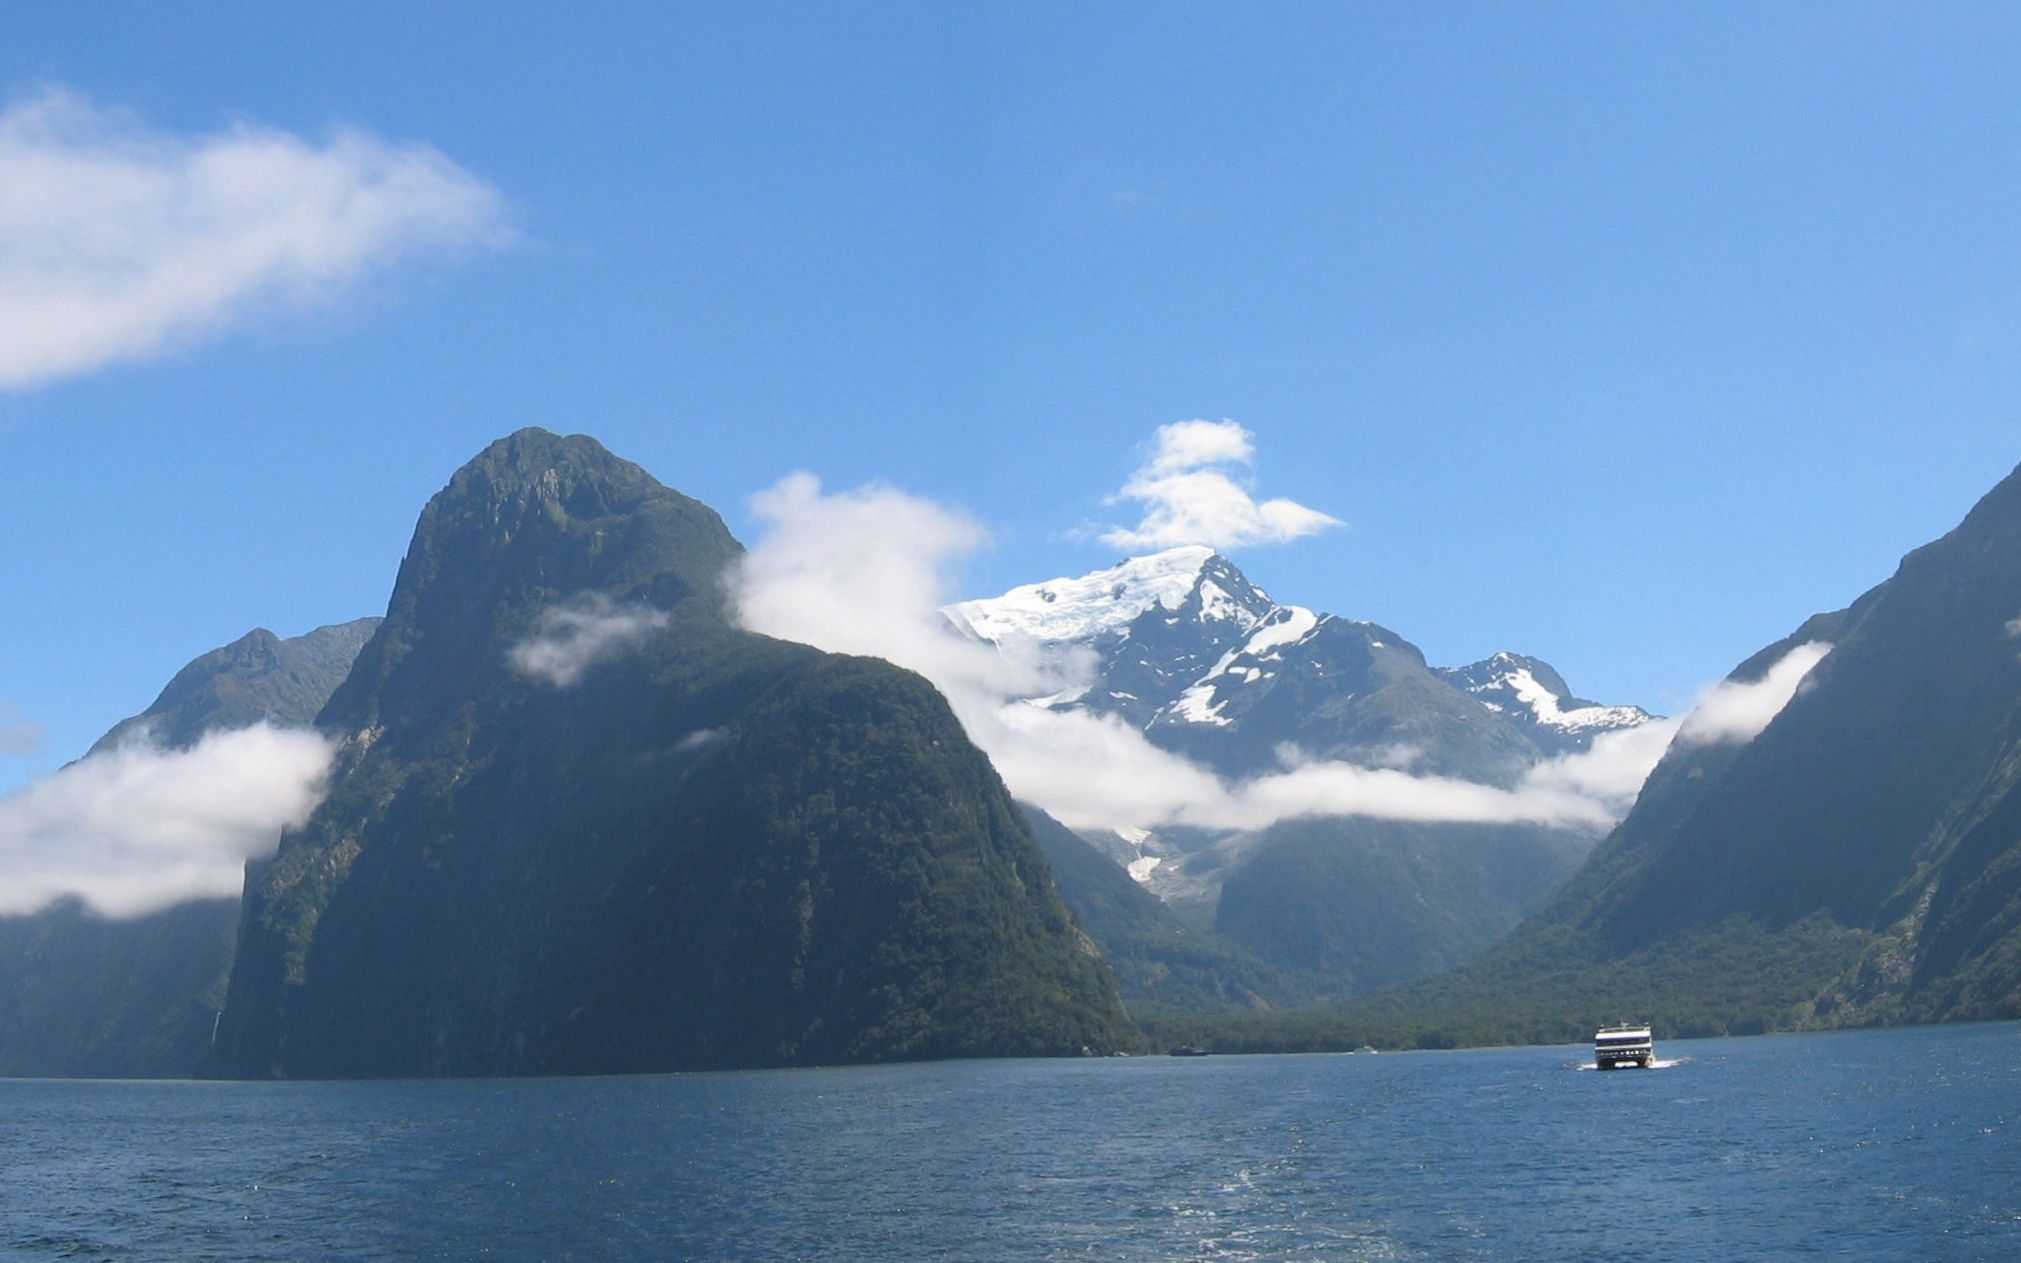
137, 828
570, 638
119, 241
1190, 495
17, 734
1613, 770
1736, 712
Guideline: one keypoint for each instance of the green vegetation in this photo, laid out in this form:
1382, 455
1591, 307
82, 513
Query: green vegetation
1164, 968
1343, 907
714, 849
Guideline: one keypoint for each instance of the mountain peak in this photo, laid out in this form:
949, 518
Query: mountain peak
533, 520
1531, 692
1105, 602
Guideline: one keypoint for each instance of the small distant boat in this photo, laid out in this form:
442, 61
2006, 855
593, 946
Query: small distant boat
1623, 1046
1365, 1048
1190, 1050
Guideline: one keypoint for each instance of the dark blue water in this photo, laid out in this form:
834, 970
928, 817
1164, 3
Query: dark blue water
1870, 1145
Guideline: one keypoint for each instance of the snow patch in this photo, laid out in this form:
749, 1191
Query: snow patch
1287, 625
1546, 710
1140, 869
1197, 706
1097, 604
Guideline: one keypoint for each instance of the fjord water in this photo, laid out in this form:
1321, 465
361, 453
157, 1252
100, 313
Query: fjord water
1902, 1144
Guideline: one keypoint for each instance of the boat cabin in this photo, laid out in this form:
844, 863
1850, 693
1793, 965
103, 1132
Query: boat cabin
1623, 1046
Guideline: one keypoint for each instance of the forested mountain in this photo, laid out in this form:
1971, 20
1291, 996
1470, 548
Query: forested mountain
257, 678
1858, 861
579, 822
83, 994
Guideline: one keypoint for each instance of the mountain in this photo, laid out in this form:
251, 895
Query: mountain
1182, 646
258, 677
1344, 907
579, 822
1209, 666
84, 995
1530, 693
1163, 966
1858, 861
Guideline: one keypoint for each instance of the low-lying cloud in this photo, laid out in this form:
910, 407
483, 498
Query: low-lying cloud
570, 638
865, 571
1732, 712
1737, 712
119, 241
1190, 495
137, 828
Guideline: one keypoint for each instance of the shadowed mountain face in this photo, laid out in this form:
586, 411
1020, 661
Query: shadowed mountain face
1855, 862
81, 994
257, 678
580, 823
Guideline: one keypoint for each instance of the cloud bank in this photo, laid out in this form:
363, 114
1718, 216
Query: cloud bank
570, 638
1189, 493
119, 241
136, 829
864, 572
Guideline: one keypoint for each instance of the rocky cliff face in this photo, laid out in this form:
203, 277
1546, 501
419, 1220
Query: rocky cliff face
581, 823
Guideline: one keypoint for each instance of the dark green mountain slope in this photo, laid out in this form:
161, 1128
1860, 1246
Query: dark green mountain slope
257, 677
1347, 906
1858, 861
82, 995
707, 849
1163, 966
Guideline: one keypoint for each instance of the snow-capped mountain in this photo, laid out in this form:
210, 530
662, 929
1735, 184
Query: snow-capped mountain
1208, 665
1182, 646
1158, 624
1527, 691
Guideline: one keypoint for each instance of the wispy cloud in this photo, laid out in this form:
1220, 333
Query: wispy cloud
1737, 712
570, 638
865, 571
1190, 494
137, 828
1731, 712
17, 734
119, 241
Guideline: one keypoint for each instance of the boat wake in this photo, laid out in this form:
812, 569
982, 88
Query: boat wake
1659, 1064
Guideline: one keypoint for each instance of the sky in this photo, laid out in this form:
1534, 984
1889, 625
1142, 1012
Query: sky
1620, 337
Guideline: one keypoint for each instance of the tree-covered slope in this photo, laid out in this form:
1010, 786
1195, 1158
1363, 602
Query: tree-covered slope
1857, 861
1347, 906
579, 822
257, 678
1163, 966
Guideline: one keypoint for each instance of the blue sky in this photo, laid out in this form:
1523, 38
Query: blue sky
1627, 339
